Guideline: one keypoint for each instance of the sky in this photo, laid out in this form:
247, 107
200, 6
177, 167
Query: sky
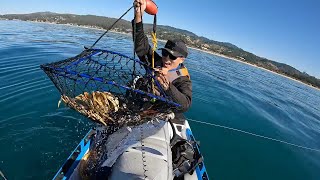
286, 31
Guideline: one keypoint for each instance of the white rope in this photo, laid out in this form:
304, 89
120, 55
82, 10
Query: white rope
2, 175
256, 135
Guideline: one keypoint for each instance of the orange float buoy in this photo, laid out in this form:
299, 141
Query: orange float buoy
151, 7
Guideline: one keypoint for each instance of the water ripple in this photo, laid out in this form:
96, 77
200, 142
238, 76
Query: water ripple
35, 80
22, 92
18, 116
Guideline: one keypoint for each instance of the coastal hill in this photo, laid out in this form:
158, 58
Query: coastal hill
167, 32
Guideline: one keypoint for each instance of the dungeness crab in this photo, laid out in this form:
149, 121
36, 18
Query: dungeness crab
95, 106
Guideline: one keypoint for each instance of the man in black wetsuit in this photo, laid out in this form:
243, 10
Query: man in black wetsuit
172, 74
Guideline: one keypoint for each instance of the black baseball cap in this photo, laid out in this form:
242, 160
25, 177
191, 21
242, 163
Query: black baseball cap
176, 47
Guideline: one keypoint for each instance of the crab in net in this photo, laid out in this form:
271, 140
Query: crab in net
110, 88
95, 106
102, 107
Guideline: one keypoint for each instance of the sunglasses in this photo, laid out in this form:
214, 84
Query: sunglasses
165, 53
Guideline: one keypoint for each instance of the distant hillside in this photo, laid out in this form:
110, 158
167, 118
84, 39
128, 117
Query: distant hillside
167, 32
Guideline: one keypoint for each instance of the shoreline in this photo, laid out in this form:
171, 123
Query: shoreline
237, 60
205, 51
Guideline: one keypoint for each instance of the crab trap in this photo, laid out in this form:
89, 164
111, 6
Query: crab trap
110, 88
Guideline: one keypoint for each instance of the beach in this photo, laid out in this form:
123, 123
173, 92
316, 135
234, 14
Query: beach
234, 59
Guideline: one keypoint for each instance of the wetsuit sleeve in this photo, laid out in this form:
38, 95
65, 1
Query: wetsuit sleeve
142, 47
181, 93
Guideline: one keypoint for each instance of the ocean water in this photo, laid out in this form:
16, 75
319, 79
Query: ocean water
36, 137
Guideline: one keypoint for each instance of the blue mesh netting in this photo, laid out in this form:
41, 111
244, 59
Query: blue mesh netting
128, 79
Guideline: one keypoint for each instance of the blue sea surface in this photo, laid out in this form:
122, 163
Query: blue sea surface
36, 136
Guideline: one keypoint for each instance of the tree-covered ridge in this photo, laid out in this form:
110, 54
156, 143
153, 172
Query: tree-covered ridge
167, 32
